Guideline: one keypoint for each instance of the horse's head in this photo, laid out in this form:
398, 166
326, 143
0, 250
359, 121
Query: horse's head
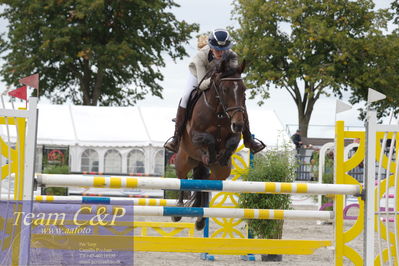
230, 89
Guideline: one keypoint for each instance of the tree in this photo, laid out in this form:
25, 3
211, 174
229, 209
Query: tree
381, 74
307, 47
92, 52
382, 70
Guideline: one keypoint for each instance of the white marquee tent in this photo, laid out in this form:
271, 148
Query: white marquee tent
133, 135
131, 126
124, 140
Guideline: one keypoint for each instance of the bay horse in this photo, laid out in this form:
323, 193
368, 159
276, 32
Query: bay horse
213, 132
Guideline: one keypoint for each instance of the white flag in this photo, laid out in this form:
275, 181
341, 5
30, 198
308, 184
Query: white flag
342, 107
374, 96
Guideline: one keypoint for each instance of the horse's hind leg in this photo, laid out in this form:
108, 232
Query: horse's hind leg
200, 223
179, 203
183, 166
201, 198
199, 172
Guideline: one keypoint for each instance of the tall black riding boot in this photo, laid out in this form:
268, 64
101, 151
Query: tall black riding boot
172, 144
254, 145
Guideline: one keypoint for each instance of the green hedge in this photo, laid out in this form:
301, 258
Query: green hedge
56, 169
274, 166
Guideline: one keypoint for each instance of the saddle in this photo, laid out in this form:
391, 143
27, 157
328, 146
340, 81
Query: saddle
194, 96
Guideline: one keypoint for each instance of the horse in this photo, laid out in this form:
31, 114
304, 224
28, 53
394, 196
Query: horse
213, 132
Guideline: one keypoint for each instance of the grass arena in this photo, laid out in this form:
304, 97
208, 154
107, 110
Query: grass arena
50, 229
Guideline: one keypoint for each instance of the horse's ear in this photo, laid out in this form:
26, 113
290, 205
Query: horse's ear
242, 66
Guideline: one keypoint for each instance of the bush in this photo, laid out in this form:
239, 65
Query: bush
170, 172
56, 169
275, 166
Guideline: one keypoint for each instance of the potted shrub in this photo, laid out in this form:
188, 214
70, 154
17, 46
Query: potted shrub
273, 166
56, 191
170, 173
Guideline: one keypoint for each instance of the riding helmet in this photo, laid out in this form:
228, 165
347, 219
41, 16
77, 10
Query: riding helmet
220, 39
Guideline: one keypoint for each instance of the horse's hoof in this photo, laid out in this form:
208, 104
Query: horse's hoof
176, 218
205, 159
200, 224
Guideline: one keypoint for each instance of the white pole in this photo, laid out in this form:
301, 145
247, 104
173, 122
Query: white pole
322, 162
370, 186
198, 185
29, 170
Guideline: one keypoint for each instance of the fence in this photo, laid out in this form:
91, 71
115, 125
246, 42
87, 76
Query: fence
305, 171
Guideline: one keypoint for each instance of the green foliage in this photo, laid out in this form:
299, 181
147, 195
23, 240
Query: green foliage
307, 47
55, 191
275, 166
56, 169
106, 52
170, 171
382, 73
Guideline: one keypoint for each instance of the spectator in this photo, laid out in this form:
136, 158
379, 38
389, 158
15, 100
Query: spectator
296, 138
388, 145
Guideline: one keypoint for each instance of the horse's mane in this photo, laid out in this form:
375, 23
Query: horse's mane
230, 63
227, 66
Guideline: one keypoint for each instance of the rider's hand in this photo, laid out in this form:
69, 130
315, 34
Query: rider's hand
205, 84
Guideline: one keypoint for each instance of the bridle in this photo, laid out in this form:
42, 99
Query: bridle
227, 110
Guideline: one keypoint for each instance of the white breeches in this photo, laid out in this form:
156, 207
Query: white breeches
192, 82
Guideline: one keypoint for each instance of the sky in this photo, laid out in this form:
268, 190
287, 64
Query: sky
211, 14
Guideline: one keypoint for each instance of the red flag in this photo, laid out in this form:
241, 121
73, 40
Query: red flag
19, 93
32, 81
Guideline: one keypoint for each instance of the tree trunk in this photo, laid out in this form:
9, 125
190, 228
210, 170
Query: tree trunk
305, 108
90, 96
303, 125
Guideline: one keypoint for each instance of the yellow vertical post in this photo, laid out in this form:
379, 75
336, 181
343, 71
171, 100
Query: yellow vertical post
339, 199
20, 148
18, 183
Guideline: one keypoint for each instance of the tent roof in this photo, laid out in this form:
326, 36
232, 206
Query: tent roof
103, 126
131, 126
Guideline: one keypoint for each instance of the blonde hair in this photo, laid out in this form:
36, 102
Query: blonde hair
202, 41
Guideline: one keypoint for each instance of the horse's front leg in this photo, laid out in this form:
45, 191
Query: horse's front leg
207, 141
231, 146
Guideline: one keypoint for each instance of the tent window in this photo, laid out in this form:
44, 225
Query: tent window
159, 163
135, 162
89, 161
113, 162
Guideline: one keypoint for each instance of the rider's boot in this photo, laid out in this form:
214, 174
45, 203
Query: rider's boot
173, 143
254, 145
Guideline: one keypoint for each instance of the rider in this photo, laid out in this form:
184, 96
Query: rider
219, 43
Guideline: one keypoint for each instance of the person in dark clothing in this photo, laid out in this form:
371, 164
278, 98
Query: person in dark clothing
296, 138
